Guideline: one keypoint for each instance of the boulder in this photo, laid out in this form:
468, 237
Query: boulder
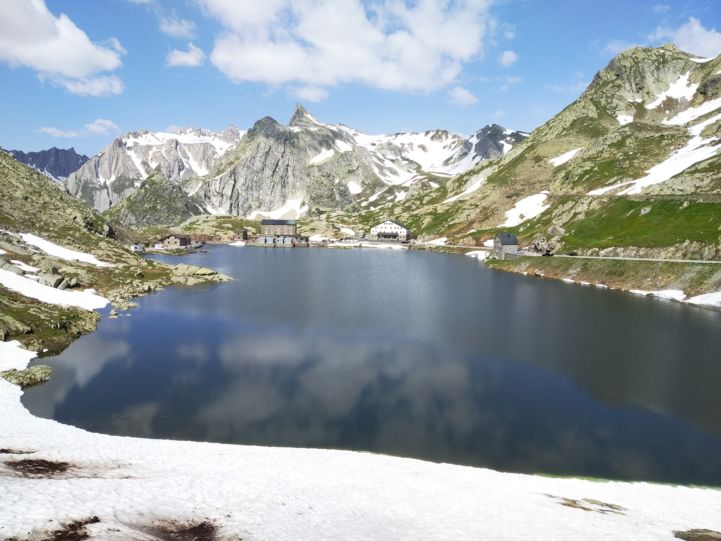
34, 375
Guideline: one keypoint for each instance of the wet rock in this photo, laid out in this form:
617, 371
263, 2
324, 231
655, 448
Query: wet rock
34, 375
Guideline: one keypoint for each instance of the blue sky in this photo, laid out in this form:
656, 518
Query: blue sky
76, 73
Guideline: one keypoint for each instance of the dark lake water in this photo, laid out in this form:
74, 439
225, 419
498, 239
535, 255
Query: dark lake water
407, 353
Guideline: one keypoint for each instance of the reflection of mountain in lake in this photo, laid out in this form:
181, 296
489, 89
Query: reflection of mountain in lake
332, 367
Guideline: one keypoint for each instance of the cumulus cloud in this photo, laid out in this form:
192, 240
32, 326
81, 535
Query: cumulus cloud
59, 51
194, 56
101, 126
310, 93
691, 37
462, 96
320, 43
508, 58
179, 28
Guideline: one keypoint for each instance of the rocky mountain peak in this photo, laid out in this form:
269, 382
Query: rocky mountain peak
301, 117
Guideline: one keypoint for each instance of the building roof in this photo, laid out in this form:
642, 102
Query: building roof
507, 239
278, 222
392, 221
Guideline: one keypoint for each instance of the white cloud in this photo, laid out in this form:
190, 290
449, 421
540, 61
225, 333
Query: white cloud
509, 34
660, 8
691, 37
179, 28
386, 44
101, 126
105, 85
508, 58
461, 96
59, 133
59, 51
310, 93
194, 56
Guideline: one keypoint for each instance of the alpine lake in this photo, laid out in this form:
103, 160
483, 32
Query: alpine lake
408, 353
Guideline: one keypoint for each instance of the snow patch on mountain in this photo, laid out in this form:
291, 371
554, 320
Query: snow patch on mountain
696, 150
59, 251
681, 89
526, 209
565, 157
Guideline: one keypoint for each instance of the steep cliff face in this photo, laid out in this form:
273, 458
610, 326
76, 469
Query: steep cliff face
120, 168
56, 163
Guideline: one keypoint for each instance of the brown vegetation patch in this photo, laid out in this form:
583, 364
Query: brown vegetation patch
73, 531
588, 504
37, 467
698, 535
185, 531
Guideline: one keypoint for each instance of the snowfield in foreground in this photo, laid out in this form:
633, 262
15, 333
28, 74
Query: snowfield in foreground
63, 253
136, 486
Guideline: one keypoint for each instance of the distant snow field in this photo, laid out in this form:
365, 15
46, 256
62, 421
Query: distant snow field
624, 119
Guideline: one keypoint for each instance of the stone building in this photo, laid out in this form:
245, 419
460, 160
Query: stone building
390, 230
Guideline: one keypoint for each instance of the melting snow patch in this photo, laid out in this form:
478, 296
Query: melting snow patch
701, 60
478, 254
29, 288
624, 119
708, 299
63, 253
437, 242
238, 243
692, 113
489, 243
2, 252
354, 188
342, 146
670, 294
24, 266
525, 209
323, 156
566, 157
477, 183
680, 89
696, 150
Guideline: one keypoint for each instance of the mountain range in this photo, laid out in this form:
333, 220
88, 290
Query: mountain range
57, 163
277, 170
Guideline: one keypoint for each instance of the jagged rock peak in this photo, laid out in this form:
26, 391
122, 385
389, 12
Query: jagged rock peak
301, 117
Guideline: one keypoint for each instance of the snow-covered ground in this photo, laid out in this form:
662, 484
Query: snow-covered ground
478, 254
61, 252
86, 299
133, 485
525, 209
565, 157
672, 294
